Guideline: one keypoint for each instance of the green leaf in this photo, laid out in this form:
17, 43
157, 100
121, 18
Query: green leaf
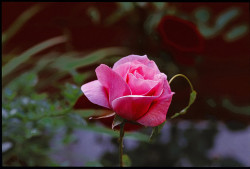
126, 160
122, 10
202, 15
79, 78
226, 103
71, 93
136, 136
236, 33
156, 131
24, 83
31, 133
69, 139
44, 62
101, 129
159, 5
222, 20
191, 101
226, 17
15, 62
87, 112
112, 133
117, 121
94, 14
69, 63
46, 121
20, 21
93, 164
77, 120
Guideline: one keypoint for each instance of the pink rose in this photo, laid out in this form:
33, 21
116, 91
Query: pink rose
134, 89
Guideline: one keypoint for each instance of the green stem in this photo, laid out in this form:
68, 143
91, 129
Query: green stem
121, 143
192, 95
184, 77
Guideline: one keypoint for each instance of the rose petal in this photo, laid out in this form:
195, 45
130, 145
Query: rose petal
123, 70
158, 110
132, 107
140, 86
143, 59
143, 70
138, 75
96, 93
157, 89
84, 103
115, 84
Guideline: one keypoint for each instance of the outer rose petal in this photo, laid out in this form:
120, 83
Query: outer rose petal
157, 89
158, 110
96, 93
115, 84
132, 107
143, 59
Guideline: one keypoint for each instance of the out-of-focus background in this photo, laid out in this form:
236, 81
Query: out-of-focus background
49, 49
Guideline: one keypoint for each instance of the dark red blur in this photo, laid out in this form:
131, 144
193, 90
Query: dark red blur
217, 68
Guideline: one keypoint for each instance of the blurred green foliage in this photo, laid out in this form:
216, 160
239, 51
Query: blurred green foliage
30, 119
126, 160
185, 147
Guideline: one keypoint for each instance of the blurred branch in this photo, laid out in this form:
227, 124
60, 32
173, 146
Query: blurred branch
19, 22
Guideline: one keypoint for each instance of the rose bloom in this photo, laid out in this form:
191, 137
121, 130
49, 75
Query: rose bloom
134, 89
104, 118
